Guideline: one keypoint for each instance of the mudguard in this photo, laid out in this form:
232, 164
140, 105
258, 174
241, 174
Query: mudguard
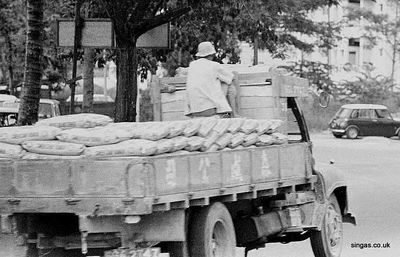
331, 181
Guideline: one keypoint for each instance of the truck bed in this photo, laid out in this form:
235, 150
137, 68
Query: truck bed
142, 185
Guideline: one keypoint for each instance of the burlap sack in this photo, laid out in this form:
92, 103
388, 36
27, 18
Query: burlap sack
263, 126
81, 120
192, 127
180, 143
275, 125
19, 135
249, 126
35, 156
224, 140
237, 140
10, 151
250, 139
53, 147
133, 147
93, 136
280, 138
151, 130
264, 140
207, 125
165, 146
236, 124
194, 143
222, 126
209, 140
176, 128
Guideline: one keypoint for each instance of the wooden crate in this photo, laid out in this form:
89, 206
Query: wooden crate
262, 96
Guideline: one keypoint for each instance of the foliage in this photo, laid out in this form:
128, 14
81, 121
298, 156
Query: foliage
277, 24
317, 73
12, 29
283, 23
366, 89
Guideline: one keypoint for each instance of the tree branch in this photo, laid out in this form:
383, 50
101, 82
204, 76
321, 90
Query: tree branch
158, 20
140, 10
157, 7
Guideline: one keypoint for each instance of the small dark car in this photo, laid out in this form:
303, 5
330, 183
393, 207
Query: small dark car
355, 120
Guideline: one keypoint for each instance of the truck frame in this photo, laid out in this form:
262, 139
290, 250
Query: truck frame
188, 205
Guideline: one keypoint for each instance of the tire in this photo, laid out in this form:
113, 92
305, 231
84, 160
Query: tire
352, 133
338, 135
211, 232
329, 241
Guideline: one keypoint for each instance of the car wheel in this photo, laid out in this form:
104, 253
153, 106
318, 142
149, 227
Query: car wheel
352, 133
338, 135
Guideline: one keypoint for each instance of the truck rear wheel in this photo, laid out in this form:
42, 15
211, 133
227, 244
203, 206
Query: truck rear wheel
328, 242
211, 232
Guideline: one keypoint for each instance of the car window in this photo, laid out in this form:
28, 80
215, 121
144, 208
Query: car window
355, 114
364, 113
45, 110
343, 113
383, 114
373, 114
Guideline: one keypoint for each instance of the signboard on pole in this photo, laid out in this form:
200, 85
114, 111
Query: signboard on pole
99, 33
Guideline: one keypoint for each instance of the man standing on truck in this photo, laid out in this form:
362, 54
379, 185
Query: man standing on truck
204, 92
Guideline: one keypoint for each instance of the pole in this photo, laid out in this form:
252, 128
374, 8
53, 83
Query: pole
255, 60
106, 67
329, 51
395, 43
77, 41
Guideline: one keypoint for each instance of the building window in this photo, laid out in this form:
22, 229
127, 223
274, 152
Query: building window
381, 7
352, 58
354, 1
381, 51
354, 42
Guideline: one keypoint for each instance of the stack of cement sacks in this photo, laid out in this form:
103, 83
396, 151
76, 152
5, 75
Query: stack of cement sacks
96, 136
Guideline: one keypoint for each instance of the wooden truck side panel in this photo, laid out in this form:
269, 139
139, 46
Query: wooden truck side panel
142, 185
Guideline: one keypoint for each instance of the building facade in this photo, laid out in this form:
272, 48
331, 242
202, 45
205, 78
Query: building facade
352, 51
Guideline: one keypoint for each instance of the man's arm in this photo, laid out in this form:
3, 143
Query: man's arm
224, 75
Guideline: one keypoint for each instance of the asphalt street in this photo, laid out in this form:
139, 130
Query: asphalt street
372, 168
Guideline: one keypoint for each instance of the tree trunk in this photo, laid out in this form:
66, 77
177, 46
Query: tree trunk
125, 101
88, 85
30, 93
10, 64
3, 64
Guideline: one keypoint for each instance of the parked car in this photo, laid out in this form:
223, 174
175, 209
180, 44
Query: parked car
355, 120
7, 98
9, 110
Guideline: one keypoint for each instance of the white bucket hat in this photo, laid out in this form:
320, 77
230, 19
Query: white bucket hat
205, 48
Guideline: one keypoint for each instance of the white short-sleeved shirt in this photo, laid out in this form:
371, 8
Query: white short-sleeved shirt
203, 87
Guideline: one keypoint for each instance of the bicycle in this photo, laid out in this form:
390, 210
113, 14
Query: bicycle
323, 96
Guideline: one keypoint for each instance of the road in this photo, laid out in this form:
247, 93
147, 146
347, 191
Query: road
372, 168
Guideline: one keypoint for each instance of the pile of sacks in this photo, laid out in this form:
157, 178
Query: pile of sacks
94, 135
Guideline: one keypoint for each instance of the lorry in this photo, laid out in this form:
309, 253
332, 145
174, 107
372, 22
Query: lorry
182, 205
